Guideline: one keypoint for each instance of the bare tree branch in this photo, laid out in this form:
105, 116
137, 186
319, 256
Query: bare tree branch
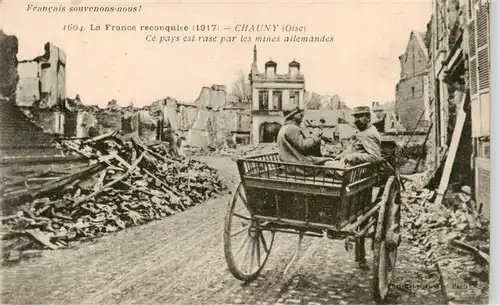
241, 88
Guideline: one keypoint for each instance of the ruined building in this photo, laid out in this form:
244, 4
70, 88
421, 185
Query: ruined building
270, 93
219, 119
412, 90
460, 85
385, 118
479, 51
21, 135
41, 89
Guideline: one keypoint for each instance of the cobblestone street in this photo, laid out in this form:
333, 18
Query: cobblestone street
180, 260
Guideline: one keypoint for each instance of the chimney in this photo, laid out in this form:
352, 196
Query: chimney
270, 68
293, 69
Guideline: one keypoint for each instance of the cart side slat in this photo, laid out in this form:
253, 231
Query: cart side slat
295, 192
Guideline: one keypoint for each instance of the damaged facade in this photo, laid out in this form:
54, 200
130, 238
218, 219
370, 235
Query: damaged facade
271, 92
412, 90
464, 77
218, 120
459, 82
385, 118
25, 132
215, 118
41, 88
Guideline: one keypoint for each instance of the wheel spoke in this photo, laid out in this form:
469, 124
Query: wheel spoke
241, 245
241, 216
392, 260
252, 256
241, 230
242, 197
382, 270
245, 256
257, 246
263, 240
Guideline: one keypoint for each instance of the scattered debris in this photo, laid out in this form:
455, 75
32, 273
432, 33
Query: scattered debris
239, 151
327, 149
127, 183
449, 233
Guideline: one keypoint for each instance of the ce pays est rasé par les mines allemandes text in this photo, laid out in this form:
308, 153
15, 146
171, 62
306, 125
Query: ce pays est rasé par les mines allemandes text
242, 28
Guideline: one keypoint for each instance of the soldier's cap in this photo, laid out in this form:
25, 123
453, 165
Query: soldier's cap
291, 111
466, 189
361, 110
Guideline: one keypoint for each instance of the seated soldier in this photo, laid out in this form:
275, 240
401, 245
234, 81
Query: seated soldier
366, 146
297, 145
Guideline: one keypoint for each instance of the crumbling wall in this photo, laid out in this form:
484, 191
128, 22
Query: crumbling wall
170, 112
19, 132
245, 120
147, 126
8, 62
19, 135
412, 152
38, 86
200, 132
229, 119
51, 121
108, 120
86, 123
186, 117
28, 91
130, 123
411, 103
203, 131
412, 88
42, 81
214, 122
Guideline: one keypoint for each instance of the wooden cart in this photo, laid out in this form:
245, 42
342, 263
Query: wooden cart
349, 204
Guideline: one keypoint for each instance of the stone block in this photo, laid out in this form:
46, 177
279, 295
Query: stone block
49, 77
198, 138
61, 83
170, 115
51, 121
27, 91
62, 57
130, 123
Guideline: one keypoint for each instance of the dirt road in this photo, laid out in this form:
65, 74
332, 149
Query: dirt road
180, 260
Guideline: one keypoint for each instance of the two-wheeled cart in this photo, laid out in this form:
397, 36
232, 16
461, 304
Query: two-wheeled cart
308, 200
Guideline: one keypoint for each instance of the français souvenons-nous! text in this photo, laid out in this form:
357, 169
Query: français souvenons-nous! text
83, 8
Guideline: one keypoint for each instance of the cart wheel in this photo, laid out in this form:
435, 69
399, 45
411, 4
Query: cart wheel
387, 239
246, 245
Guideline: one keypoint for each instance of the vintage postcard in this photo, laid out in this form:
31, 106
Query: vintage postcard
224, 152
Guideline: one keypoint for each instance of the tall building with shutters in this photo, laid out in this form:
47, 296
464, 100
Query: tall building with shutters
460, 88
479, 54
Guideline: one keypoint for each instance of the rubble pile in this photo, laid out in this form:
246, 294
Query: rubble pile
237, 152
108, 120
446, 231
126, 184
209, 150
331, 149
327, 149
255, 149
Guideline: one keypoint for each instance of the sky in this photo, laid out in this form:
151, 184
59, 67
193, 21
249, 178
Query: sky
361, 65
